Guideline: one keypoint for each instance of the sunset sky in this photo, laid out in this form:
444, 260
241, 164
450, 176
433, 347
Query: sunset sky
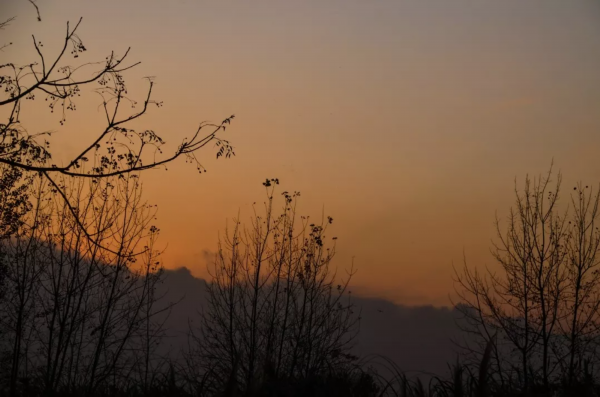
406, 120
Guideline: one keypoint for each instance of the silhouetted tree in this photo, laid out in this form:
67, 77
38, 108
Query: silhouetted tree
76, 316
580, 304
275, 310
540, 309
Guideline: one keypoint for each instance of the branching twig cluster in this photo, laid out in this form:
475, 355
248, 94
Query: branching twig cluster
116, 149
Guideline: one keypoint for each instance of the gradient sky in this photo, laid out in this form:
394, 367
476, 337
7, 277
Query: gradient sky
407, 120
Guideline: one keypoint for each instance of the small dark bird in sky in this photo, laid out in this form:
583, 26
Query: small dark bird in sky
380, 311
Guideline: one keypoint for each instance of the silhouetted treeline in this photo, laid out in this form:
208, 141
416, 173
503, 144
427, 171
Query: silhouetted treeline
80, 311
80, 314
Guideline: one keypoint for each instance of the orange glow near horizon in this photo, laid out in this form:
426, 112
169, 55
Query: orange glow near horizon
406, 121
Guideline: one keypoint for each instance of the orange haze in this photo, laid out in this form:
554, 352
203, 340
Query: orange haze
407, 120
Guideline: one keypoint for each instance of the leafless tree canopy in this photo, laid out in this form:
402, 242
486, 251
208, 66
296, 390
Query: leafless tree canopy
75, 316
275, 308
540, 308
